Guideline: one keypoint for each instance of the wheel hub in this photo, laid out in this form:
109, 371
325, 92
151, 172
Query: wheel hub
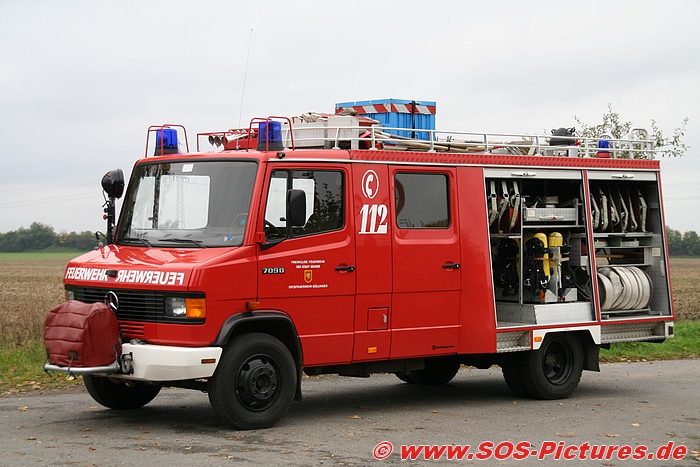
557, 363
257, 383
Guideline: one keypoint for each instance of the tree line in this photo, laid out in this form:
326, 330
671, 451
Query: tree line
41, 236
683, 244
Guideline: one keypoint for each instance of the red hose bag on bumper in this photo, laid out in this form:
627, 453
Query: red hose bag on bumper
81, 335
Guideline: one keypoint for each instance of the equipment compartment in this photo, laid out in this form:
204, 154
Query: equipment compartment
631, 267
539, 247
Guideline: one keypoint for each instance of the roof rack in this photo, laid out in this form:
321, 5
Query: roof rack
348, 132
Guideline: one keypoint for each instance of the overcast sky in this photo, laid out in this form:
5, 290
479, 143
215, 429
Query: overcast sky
82, 80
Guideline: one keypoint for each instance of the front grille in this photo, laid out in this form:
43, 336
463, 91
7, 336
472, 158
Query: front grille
130, 330
134, 305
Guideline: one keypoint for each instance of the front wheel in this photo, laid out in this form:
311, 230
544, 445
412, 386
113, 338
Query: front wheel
554, 370
120, 394
254, 383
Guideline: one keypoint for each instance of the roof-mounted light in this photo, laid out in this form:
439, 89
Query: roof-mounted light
270, 136
166, 139
166, 142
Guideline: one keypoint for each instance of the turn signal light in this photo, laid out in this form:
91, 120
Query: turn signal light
252, 306
196, 307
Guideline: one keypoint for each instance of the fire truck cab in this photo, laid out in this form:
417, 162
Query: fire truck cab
342, 246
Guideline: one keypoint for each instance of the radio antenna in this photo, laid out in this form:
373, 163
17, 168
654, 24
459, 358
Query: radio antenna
245, 77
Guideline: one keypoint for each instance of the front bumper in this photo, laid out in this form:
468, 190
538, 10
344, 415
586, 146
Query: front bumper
146, 362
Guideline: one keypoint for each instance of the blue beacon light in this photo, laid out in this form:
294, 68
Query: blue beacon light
166, 142
270, 136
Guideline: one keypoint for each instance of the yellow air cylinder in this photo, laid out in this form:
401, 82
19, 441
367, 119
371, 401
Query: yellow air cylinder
555, 240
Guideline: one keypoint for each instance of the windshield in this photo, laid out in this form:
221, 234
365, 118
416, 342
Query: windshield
187, 204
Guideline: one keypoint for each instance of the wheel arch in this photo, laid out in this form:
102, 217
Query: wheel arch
274, 323
589, 336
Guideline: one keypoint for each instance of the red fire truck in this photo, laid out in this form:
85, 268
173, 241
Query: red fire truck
331, 244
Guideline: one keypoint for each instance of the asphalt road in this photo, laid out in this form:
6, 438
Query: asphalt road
342, 420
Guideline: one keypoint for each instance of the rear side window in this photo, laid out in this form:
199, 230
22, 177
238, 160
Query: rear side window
422, 200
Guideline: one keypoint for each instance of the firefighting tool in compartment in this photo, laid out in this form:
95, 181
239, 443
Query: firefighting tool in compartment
561, 265
535, 279
614, 213
624, 212
642, 211
624, 288
506, 269
507, 200
632, 218
603, 210
547, 267
554, 241
617, 209
568, 276
595, 212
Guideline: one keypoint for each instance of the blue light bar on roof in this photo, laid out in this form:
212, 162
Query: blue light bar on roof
166, 142
270, 136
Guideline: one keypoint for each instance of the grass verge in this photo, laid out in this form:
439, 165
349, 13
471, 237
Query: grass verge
22, 370
685, 344
63, 255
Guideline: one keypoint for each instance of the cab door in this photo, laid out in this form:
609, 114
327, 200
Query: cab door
426, 262
308, 271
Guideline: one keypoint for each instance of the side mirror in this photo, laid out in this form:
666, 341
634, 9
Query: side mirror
296, 201
113, 183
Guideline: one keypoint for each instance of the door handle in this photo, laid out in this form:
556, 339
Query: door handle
345, 268
451, 266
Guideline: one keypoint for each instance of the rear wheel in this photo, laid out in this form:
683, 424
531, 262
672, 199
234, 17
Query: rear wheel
120, 394
254, 383
554, 370
510, 368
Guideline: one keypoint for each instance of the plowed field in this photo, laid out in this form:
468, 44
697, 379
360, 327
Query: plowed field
30, 285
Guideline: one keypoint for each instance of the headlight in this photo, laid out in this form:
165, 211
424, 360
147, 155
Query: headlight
175, 307
181, 307
69, 295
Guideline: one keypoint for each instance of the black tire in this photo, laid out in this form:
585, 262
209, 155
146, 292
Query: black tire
554, 370
254, 383
405, 377
120, 394
510, 367
435, 373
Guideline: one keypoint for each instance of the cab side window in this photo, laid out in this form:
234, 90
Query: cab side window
324, 202
422, 200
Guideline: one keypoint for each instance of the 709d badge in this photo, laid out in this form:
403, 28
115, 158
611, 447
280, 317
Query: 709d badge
273, 270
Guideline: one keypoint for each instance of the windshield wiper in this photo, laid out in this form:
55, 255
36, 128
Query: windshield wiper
192, 241
134, 240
